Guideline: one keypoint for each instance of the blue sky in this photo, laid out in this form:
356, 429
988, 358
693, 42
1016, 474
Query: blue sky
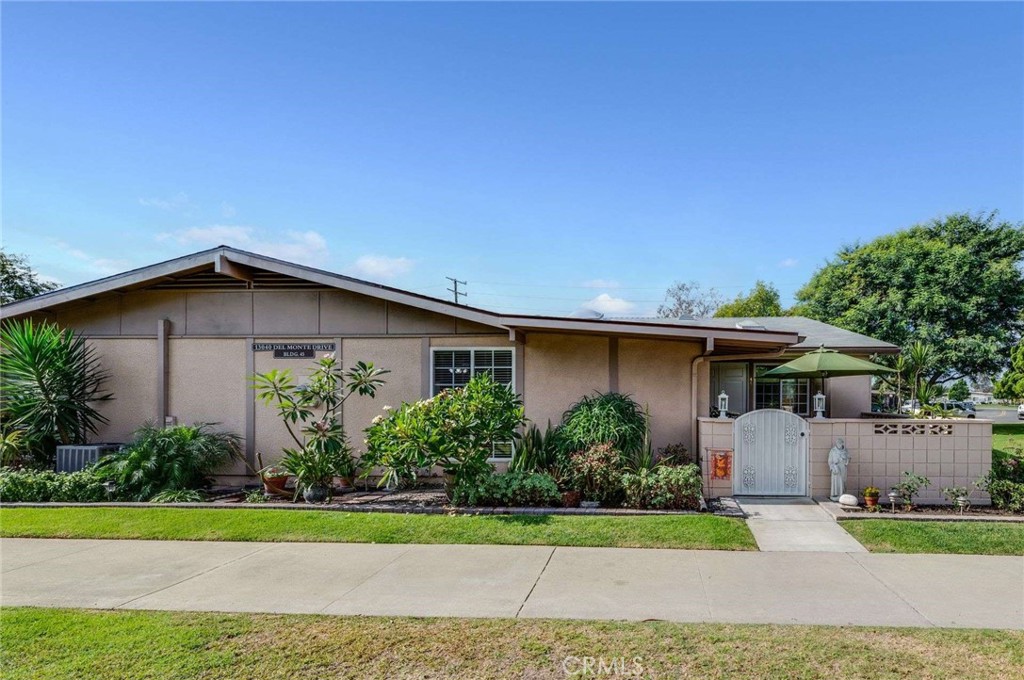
552, 155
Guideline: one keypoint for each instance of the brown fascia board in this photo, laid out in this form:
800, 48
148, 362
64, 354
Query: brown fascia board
546, 323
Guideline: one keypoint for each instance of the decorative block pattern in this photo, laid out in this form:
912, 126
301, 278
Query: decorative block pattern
919, 428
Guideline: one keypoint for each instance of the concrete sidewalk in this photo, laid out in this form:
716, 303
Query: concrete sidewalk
517, 581
795, 525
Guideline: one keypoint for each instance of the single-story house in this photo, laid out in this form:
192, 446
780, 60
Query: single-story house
181, 339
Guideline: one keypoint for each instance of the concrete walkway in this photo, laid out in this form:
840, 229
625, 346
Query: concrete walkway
795, 525
517, 581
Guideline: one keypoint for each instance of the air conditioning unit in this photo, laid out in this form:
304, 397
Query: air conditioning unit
73, 458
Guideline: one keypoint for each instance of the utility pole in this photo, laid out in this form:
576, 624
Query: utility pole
454, 290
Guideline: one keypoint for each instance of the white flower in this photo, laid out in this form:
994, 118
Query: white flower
387, 408
377, 419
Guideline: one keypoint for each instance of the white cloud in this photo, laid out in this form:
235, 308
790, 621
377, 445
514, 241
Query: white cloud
789, 262
227, 210
381, 266
606, 304
306, 247
104, 266
600, 283
175, 203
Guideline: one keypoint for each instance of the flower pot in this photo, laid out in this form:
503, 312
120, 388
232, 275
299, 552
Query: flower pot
275, 485
347, 484
316, 493
870, 501
571, 499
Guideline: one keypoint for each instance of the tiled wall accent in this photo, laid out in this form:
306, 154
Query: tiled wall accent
949, 453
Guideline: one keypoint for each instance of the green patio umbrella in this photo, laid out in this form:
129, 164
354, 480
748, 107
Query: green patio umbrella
826, 363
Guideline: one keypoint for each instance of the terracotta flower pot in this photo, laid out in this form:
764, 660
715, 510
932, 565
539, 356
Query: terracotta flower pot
870, 501
275, 485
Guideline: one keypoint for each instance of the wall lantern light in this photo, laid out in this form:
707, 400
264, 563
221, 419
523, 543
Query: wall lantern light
819, 405
723, 405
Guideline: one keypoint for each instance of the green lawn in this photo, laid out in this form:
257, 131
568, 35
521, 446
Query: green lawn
1007, 435
964, 538
72, 644
652, 531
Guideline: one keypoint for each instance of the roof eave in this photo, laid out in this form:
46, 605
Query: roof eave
554, 324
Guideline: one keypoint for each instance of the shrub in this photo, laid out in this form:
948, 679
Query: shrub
1006, 495
35, 486
512, 489
597, 473
604, 418
169, 459
664, 488
1008, 465
677, 454
455, 429
50, 381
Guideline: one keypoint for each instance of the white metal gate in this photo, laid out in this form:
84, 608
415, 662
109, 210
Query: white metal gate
771, 454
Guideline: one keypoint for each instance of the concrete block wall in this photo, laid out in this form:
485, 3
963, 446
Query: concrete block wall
947, 452
950, 452
714, 433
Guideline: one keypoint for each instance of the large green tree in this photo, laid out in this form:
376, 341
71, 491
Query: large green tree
762, 300
18, 281
955, 284
1011, 384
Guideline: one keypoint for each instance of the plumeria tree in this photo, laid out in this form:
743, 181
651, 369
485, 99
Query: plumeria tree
456, 430
311, 414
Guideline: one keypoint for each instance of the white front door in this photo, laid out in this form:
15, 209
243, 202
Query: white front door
771, 454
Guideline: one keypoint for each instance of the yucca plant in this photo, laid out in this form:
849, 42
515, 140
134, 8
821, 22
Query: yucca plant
169, 459
50, 381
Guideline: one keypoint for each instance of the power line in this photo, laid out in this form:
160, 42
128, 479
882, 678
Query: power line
454, 290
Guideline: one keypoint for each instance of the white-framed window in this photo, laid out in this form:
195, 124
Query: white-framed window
455, 366
789, 395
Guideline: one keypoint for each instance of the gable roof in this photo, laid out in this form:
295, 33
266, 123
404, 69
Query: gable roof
251, 270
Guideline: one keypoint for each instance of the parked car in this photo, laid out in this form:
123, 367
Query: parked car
957, 409
969, 405
1020, 412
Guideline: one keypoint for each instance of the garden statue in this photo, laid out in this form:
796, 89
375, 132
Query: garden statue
838, 459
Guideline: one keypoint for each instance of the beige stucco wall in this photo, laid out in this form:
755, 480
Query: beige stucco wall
404, 358
559, 370
947, 452
657, 374
207, 383
132, 365
272, 313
